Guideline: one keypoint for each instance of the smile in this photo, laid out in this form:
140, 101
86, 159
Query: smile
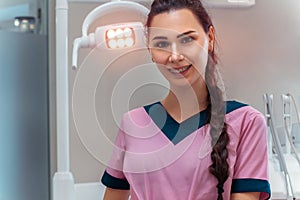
180, 70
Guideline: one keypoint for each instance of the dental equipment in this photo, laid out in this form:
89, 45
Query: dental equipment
268, 100
295, 106
106, 33
287, 120
63, 181
267, 115
297, 136
291, 97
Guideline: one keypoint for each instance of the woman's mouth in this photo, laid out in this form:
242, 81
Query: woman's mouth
181, 70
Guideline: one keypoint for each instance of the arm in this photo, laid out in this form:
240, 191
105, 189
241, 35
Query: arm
251, 167
245, 196
117, 186
114, 194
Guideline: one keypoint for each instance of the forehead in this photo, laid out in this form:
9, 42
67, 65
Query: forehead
177, 21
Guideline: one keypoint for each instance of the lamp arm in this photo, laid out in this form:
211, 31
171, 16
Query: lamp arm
107, 8
82, 42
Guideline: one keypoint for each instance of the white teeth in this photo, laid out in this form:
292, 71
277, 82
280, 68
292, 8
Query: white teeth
180, 70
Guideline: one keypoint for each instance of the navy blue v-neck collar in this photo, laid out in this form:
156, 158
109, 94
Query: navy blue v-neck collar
175, 131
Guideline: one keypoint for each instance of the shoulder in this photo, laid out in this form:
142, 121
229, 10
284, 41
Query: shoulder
137, 122
143, 113
136, 115
238, 110
241, 117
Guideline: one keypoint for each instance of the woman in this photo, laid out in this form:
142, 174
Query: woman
192, 145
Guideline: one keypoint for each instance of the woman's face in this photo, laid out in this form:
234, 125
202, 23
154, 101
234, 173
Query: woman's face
179, 45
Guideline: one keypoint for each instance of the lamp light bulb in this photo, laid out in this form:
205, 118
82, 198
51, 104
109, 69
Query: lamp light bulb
119, 33
121, 43
111, 34
113, 44
129, 42
127, 32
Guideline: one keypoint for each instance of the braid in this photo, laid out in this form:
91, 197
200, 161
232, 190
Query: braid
219, 167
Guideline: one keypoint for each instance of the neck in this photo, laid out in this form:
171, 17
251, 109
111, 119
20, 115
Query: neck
182, 103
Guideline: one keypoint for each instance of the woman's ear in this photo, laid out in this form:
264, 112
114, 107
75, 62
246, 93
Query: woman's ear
211, 38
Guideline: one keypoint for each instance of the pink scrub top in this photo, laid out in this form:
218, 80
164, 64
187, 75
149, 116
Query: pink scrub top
157, 158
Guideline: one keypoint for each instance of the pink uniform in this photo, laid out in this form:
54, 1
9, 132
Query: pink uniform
159, 159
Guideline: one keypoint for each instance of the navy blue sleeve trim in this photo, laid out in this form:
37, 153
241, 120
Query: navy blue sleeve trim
233, 105
114, 183
250, 185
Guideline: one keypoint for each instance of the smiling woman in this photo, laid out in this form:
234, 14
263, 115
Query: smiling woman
193, 144
180, 48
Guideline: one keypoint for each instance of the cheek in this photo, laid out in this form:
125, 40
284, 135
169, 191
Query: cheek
159, 56
199, 58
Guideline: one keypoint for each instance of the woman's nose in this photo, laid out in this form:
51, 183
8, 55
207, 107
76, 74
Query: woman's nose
175, 56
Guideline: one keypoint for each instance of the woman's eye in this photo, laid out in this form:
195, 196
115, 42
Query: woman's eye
186, 40
161, 44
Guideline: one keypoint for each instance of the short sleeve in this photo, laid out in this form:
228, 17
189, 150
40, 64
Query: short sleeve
113, 176
251, 167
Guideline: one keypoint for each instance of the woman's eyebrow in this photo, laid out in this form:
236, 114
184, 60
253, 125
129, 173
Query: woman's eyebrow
160, 38
178, 36
185, 33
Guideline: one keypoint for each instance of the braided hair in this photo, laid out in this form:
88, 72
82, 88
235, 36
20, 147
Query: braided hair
216, 106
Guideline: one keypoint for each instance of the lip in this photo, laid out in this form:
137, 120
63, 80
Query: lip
179, 71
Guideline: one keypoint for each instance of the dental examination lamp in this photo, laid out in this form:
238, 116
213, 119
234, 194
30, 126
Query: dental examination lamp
120, 31
268, 100
122, 34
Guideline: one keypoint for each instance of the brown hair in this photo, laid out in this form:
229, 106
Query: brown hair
216, 107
